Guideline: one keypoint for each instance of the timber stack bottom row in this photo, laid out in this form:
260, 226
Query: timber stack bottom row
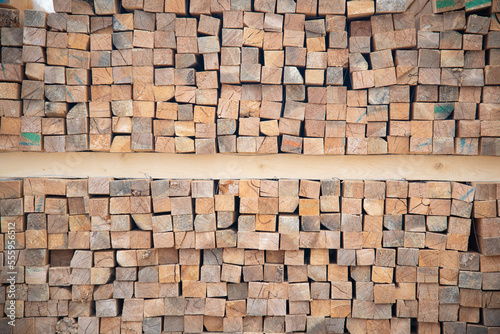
102, 255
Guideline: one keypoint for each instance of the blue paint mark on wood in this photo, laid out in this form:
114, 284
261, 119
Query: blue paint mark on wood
468, 193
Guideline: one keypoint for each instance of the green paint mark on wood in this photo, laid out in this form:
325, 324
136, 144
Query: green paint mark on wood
443, 108
444, 3
476, 3
30, 139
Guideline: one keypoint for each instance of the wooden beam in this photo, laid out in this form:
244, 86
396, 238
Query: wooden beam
479, 169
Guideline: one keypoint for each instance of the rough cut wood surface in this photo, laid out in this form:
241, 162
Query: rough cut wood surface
158, 255
273, 77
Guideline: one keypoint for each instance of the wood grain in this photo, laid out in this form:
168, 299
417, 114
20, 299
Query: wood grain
82, 164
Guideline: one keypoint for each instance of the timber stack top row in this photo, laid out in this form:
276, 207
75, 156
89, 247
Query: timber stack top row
264, 76
103, 255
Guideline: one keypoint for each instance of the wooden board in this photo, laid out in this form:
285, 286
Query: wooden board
236, 166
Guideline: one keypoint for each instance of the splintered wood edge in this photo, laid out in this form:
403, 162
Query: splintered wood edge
238, 166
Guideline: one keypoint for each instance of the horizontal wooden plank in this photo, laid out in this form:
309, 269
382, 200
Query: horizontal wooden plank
156, 165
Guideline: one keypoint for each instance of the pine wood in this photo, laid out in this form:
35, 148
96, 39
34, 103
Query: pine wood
449, 285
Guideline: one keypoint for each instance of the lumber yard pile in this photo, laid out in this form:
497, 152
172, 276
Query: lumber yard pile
242, 76
102, 255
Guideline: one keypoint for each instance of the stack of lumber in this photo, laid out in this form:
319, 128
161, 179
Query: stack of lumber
102, 255
227, 76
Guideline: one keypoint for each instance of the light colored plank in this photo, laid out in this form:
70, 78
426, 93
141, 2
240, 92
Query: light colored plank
133, 165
